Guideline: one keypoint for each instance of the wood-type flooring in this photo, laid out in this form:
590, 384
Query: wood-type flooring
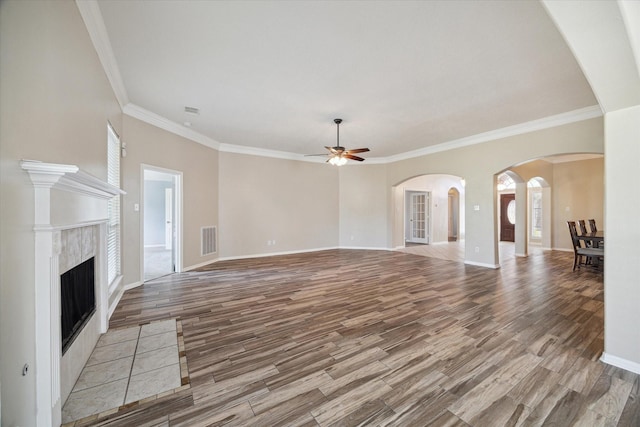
355, 337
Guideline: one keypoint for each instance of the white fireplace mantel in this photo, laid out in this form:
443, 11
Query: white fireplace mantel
69, 178
45, 177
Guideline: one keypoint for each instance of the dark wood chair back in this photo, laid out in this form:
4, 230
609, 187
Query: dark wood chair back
583, 227
574, 235
592, 225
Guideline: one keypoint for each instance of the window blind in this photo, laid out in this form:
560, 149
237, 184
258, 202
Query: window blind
113, 229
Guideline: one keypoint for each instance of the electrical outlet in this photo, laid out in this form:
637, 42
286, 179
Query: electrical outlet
477, 249
273, 242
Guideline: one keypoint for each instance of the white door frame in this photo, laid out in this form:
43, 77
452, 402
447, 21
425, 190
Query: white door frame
169, 233
408, 210
177, 217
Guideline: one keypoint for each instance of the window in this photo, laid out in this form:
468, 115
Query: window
536, 212
113, 228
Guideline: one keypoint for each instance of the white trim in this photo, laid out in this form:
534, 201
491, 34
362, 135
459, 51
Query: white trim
519, 129
114, 304
562, 249
68, 178
361, 248
521, 255
262, 152
132, 286
202, 264
482, 264
178, 221
158, 121
92, 17
619, 362
263, 255
114, 285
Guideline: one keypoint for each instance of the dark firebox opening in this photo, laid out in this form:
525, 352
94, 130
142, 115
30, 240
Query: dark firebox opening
77, 300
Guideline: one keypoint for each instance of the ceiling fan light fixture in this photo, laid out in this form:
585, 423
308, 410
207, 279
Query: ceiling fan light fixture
338, 161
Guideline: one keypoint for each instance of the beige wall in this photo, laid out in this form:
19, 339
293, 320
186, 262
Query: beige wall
363, 206
54, 105
149, 145
290, 202
577, 193
479, 163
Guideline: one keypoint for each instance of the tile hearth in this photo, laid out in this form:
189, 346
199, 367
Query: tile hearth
126, 366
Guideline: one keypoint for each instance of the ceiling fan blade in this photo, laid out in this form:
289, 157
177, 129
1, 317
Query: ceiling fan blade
349, 156
357, 150
333, 150
311, 155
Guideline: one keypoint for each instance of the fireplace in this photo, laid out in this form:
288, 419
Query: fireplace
77, 300
70, 228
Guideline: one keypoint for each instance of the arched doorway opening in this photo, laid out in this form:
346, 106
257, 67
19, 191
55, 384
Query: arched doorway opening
428, 211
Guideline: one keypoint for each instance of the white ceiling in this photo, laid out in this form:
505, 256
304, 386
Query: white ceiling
403, 75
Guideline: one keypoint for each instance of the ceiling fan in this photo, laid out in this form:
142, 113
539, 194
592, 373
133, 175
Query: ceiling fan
338, 155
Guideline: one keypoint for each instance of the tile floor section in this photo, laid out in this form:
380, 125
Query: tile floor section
126, 366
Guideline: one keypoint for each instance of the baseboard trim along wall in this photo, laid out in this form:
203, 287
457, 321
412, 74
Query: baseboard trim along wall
482, 264
620, 363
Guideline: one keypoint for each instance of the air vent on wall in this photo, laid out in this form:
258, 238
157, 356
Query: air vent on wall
191, 110
208, 239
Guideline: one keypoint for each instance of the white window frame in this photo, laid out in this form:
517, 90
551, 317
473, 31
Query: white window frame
114, 259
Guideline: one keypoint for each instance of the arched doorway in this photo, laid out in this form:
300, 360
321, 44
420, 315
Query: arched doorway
444, 215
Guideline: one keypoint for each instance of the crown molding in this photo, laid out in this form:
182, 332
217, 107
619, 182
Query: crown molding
519, 129
263, 152
156, 120
92, 17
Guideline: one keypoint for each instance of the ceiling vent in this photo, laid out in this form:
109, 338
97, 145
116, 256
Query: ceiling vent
191, 110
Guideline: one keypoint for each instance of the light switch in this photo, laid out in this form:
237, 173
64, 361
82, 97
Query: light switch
136, 207
476, 207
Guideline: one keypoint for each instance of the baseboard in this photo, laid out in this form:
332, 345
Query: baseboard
482, 264
116, 301
521, 255
619, 362
202, 264
132, 285
562, 249
231, 258
359, 248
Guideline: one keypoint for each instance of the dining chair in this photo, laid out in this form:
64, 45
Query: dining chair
582, 255
592, 225
583, 226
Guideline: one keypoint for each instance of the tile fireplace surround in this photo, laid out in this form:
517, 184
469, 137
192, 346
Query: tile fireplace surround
70, 225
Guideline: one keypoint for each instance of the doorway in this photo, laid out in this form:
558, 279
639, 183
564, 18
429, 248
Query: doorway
417, 221
161, 212
507, 217
454, 214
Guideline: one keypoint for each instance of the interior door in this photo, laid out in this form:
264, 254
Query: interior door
507, 217
418, 215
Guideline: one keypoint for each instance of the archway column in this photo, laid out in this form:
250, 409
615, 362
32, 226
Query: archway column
521, 219
609, 54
